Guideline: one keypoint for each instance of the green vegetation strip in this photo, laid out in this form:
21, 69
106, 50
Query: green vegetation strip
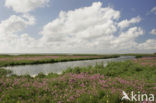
79, 85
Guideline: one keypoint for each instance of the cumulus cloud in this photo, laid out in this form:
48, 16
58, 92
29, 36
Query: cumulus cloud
153, 10
126, 23
153, 32
126, 40
9, 39
25, 6
16, 23
74, 28
149, 44
93, 29
93, 26
82, 26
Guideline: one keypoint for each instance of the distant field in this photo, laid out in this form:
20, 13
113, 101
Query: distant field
150, 61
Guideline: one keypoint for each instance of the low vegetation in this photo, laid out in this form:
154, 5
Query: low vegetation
96, 84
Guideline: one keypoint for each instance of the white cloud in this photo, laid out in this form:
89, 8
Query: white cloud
153, 32
24, 6
16, 23
93, 29
149, 44
82, 25
153, 10
10, 40
93, 26
126, 40
127, 23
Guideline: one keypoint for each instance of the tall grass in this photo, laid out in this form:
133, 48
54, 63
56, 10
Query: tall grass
120, 69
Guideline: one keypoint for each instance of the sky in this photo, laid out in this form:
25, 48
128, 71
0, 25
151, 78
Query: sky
78, 26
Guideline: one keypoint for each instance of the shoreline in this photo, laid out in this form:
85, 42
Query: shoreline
32, 59
44, 61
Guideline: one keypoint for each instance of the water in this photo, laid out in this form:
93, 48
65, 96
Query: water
33, 70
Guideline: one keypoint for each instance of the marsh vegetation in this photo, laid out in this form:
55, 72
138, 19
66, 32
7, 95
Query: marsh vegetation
96, 84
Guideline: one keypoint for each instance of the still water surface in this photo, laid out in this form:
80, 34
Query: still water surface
33, 70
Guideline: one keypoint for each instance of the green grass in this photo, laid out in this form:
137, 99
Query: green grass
120, 69
79, 85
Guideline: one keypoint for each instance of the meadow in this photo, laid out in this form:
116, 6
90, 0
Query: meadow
96, 84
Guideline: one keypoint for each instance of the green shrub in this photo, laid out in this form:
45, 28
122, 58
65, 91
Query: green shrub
40, 75
139, 56
4, 72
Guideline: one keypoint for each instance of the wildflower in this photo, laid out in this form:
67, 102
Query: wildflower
82, 85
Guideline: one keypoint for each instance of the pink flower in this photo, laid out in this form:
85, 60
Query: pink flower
82, 85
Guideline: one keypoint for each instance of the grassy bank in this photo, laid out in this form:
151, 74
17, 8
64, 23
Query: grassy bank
7, 60
140, 55
80, 85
